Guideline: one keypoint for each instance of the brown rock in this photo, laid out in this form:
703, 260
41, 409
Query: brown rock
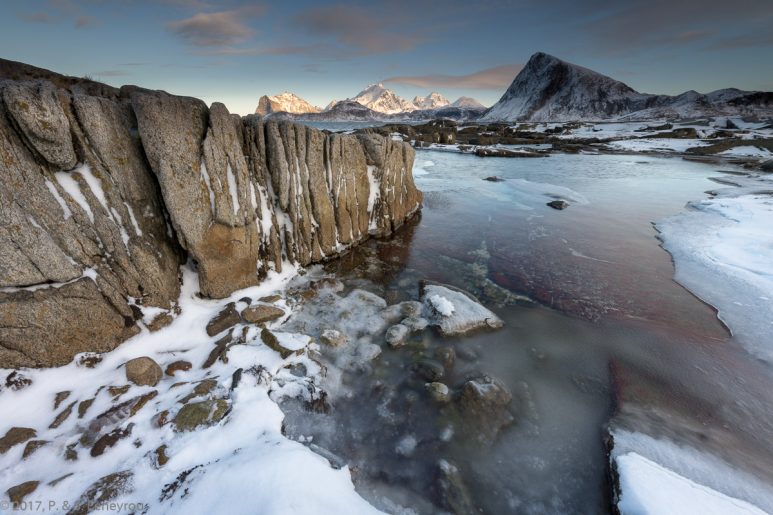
15, 436
60, 397
17, 493
116, 391
62, 416
84, 406
102, 491
32, 446
143, 371
16, 381
261, 313
161, 457
110, 439
178, 366
160, 321
226, 319
197, 414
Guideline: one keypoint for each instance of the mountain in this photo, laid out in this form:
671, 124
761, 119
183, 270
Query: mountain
383, 100
330, 105
549, 89
341, 111
432, 101
284, 102
468, 102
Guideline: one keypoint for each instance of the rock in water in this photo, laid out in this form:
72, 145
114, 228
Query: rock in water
484, 403
93, 173
143, 371
451, 490
454, 311
558, 204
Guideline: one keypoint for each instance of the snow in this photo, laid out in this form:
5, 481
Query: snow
747, 151
232, 189
442, 305
374, 192
648, 488
723, 253
383, 100
59, 199
71, 187
242, 465
94, 184
657, 144
136, 226
90, 273
205, 176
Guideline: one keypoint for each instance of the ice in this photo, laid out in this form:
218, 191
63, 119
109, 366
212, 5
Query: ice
95, 185
374, 192
648, 488
136, 226
72, 188
723, 253
657, 144
654, 471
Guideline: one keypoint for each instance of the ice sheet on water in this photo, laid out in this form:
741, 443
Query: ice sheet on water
657, 476
723, 252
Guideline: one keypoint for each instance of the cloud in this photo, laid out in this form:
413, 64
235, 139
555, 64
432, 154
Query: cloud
110, 73
224, 28
284, 50
85, 21
36, 17
497, 78
745, 41
358, 29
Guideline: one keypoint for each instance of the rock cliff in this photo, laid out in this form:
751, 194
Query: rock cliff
105, 192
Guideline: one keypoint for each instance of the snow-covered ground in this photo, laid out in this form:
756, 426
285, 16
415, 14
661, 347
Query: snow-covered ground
723, 253
243, 464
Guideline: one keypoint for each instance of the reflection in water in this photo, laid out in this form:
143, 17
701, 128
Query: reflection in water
610, 333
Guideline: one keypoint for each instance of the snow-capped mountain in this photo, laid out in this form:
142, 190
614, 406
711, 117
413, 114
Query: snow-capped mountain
331, 105
284, 102
549, 89
383, 100
468, 102
432, 101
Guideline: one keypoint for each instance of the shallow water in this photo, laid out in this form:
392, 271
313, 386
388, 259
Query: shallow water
610, 332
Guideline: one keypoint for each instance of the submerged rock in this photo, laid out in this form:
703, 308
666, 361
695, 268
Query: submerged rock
143, 371
429, 370
558, 204
439, 392
451, 491
455, 311
397, 335
484, 405
333, 337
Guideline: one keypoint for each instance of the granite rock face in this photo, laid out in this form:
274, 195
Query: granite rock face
106, 192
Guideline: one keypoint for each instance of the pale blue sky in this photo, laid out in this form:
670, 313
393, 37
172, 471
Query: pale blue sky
236, 51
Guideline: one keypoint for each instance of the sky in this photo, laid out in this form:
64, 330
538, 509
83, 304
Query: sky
234, 51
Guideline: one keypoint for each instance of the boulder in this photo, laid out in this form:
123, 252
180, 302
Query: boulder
178, 366
103, 491
484, 405
429, 370
226, 319
261, 314
454, 311
397, 335
17, 493
439, 392
333, 337
16, 436
143, 371
198, 414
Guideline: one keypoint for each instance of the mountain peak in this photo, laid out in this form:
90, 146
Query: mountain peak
284, 102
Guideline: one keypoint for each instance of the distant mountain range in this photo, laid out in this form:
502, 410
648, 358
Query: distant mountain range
373, 103
547, 89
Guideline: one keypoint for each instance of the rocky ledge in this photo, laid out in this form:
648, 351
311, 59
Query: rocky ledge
107, 191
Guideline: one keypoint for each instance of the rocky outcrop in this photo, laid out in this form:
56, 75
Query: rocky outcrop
106, 192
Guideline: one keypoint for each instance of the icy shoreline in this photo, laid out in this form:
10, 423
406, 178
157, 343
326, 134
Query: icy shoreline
722, 249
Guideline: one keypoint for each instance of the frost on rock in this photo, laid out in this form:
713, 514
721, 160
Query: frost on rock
456, 312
